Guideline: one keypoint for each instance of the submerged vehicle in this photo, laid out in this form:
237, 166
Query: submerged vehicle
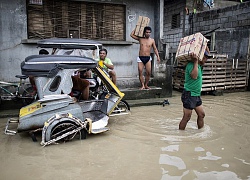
84, 48
58, 115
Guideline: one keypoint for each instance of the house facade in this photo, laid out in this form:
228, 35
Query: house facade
109, 22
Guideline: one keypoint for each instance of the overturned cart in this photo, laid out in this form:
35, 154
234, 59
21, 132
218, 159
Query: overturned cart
58, 115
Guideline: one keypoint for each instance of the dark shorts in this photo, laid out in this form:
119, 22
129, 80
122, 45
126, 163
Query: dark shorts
190, 102
144, 59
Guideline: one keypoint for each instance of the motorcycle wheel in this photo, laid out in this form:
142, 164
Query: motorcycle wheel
62, 128
122, 107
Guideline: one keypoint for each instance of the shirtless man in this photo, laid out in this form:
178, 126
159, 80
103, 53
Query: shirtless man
144, 59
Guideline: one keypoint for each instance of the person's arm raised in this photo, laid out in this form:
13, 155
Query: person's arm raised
132, 34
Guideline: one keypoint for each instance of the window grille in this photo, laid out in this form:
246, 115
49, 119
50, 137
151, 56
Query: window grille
175, 21
76, 19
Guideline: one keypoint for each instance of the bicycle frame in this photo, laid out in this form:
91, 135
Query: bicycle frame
19, 92
11, 95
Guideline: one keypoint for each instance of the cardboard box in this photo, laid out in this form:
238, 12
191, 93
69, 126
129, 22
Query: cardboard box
195, 43
140, 25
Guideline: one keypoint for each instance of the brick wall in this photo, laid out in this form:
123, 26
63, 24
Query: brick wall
237, 16
231, 38
171, 35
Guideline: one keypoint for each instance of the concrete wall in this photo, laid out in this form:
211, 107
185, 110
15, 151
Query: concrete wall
13, 29
172, 36
231, 38
216, 4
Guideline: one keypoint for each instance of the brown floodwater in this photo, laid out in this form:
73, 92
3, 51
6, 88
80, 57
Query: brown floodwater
143, 145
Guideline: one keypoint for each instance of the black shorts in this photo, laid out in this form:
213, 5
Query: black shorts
145, 59
190, 102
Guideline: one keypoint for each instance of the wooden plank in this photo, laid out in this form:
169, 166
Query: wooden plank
219, 87
209, 68
214, 73
212, 80
217, 76
220, 56
221, 74
213, 84
206, 89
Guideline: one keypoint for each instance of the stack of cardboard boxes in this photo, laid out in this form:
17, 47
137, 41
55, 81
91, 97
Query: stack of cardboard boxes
195, 43
141, 24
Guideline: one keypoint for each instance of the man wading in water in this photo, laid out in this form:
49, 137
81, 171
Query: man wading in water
144, 59
190, 97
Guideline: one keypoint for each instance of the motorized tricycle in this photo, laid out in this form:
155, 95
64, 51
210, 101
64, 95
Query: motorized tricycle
58, 115
84, 48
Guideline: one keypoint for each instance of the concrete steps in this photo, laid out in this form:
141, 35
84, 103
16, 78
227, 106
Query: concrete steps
131, 88
136, 93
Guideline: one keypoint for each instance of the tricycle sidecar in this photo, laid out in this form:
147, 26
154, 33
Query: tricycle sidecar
86, 48
56, 113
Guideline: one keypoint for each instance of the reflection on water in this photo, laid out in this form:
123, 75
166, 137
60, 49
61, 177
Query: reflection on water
216, 175
173, 135
144, 145
243, 161
172, 161
209, 156
225, 134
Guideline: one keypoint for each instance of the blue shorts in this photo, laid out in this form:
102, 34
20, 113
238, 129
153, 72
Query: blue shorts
190, 102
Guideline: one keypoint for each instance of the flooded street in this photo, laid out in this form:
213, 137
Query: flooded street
144, 145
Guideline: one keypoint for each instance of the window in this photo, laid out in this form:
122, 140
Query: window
211, 43
77, 19
55, 84
175, 21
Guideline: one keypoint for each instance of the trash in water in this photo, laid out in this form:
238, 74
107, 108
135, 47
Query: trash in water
165, 102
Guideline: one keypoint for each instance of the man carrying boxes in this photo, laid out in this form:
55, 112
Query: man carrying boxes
194, 50
142, 34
